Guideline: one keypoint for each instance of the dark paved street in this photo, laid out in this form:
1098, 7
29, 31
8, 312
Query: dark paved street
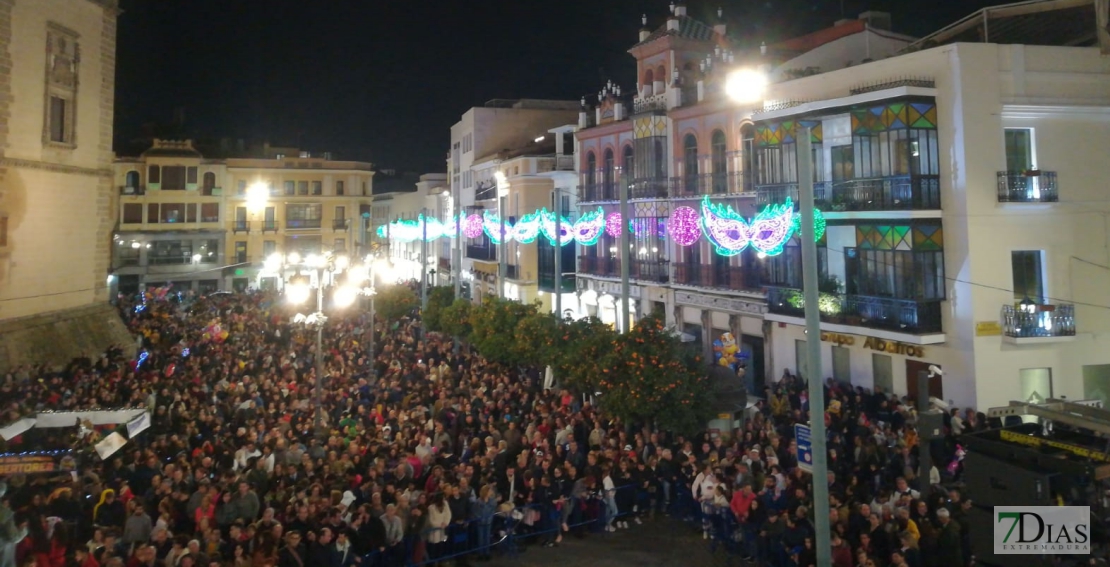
659, 543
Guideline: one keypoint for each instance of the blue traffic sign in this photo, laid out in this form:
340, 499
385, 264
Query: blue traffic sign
805, 447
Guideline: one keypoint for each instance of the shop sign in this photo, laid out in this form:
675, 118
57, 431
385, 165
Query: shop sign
37, 462
892, 347
988, 329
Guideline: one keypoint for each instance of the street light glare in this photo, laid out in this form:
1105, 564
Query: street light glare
502, 184
345, 296
257, 195
746, 85
341, 262
294, 258
273, 263
313, 260
297, 293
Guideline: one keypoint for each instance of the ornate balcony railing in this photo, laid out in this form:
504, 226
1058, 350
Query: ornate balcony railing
598, 266
648, 188
720, 183
303, 223
721, 277
778, 193
657, 271
1038, 321
1027, 187
649, 103
901, 315
903, 192
483, 253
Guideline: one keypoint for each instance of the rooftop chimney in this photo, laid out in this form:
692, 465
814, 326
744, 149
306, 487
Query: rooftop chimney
680, 9
644, 30
719, 27
877, 20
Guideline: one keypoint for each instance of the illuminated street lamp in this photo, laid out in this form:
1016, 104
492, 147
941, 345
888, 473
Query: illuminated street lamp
746, 87
258, 194
328, 268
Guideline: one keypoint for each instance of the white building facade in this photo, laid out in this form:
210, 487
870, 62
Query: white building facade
965, 213
971, 232
482, 133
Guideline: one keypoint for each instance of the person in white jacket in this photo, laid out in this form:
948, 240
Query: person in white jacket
439, 517
704, 489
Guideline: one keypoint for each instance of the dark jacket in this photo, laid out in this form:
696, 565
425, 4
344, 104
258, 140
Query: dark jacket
949, 544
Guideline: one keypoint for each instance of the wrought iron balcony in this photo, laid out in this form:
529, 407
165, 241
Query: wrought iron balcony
903, 192
483, 253
657, 271
268, 225
340, 224
132, 190
296, 224
721, 277
241, 226
720, 183
599, 266
1027, 187
901, 315
1031, 321
648, 188
778, 193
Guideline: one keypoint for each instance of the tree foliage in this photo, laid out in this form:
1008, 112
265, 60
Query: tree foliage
651, 377
455, 319
439, 298
394, 302
584, 350
536, 339
494, 326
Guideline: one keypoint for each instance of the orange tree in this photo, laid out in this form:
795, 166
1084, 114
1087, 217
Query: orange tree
493, 329
455, 319
537, 339
439, 298
583, 353
649, 376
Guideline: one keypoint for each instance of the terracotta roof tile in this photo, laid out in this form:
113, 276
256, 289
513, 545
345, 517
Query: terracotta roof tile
821, 37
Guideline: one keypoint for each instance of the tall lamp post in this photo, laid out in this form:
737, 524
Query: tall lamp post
502, 258
747, 86
327, 269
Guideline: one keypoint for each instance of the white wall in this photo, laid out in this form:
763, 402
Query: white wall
846, 51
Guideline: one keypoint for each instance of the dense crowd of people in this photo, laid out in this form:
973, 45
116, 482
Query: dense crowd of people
428, 454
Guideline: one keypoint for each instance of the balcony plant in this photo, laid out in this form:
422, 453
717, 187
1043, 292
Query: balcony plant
839, 203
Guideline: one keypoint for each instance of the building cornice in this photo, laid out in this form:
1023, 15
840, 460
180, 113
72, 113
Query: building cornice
831, 103
108, 5
1034, 111
56, 167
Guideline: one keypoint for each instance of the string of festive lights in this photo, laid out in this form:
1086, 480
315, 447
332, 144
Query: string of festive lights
727, 230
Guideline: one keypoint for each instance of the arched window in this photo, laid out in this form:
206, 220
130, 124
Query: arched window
690, 164
209, 182
747, 156
649, 80
628, 163
720, 163
607, 175
661, 76
591, 181
132, 181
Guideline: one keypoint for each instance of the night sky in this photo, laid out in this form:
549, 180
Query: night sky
384, 80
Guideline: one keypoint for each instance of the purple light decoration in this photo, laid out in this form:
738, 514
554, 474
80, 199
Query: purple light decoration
613, 225
684, 226
472, 227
